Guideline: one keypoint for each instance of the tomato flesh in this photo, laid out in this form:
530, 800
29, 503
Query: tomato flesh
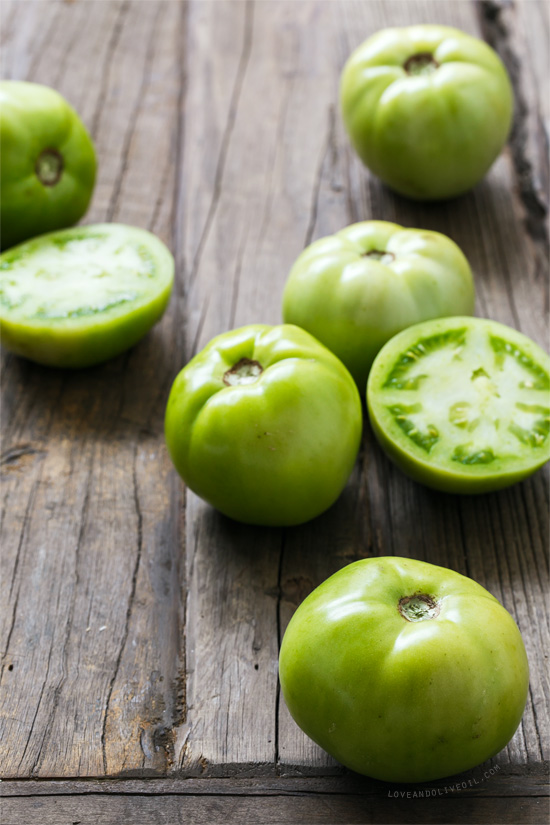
76, 297
462, 404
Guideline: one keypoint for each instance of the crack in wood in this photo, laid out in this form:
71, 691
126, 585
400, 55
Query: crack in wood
128, 612
78, 25
177, 211
38, 704
132, 121
279, 134
47, 37
329, 141
226, 139
12, 457
26, 521
48, 727
200, 325
237, 278
498, 26
103, 84
279, 631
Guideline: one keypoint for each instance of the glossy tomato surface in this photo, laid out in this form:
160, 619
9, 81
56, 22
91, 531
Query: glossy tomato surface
404, 671
79, 296
428, 108
48, 166
356, 289
462, 404
265, 424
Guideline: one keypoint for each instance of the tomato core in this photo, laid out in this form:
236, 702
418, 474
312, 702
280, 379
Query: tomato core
49, 167
419, 607
244, 371
422, 63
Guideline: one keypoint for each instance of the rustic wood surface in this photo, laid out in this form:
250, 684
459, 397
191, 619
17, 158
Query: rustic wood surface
515, 795
139, 629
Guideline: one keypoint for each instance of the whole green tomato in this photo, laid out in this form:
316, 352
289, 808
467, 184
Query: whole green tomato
48, 162
404, 671
356, 289
427, 108
265, 424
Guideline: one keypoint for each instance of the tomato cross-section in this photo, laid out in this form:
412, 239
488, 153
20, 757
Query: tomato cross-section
462, 404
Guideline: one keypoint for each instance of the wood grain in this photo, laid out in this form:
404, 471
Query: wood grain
510, 781
91, 509
139, 628
273, 810
502, 795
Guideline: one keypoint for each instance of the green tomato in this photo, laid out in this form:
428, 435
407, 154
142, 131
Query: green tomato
462, 404
76, 297
265, 424
427, 108
404, 671
356, 289
48, 162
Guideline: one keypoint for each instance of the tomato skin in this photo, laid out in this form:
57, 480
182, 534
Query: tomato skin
48, 162
442, 469
275, 451
430, 133
353, 302
398, 700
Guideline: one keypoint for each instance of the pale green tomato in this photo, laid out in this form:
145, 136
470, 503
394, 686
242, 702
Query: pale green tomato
427, 108
356, 289
462, 404
404, 671
265, 425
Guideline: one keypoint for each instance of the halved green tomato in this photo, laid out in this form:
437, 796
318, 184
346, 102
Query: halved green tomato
462, 404
80, 296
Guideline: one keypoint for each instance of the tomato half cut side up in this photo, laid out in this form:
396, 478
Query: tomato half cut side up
79, 296
462, 404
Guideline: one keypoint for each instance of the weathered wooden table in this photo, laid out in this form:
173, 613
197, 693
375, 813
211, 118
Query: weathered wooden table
140, 629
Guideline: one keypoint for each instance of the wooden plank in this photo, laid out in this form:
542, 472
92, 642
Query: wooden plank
231, 648
217, 127
91, 680
246, 810
511, 781
477, 796
256, 225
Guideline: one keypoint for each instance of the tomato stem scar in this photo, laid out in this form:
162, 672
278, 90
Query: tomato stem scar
418, 607
421, 63
244, 371
49, 167
380, 255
